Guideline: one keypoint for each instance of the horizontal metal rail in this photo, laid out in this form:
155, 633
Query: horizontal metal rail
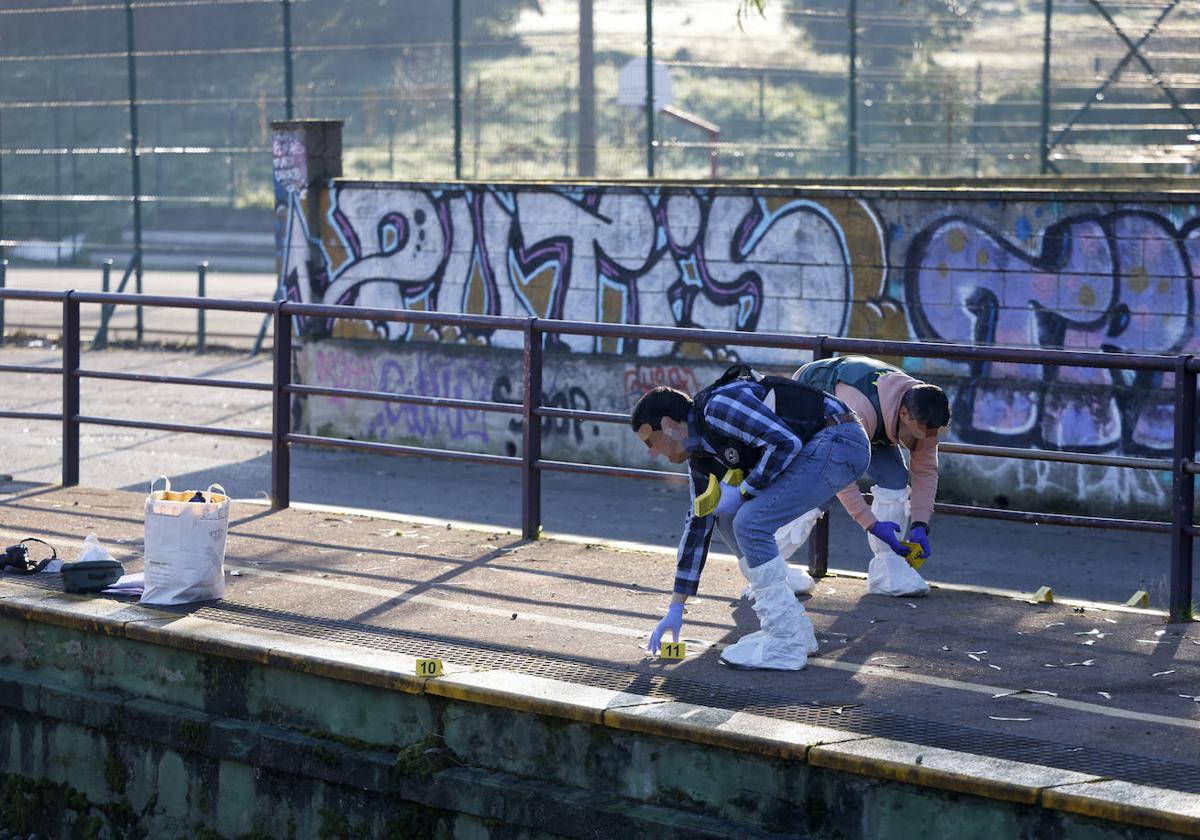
410, 399
400, 449
30, 415
1085, 458
581, 415
1032, 517
614, 472
173, 380
364, 313
57, 371
171, 427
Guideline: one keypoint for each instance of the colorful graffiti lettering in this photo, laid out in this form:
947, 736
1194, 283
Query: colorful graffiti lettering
1119, 282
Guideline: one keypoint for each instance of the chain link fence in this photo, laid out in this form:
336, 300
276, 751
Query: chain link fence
142, 128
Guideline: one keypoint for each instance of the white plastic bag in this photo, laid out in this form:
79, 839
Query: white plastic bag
92, 550
185, 545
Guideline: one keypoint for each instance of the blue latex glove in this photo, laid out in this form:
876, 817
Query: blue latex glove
731, 500
673, 621
887, 532
919, 533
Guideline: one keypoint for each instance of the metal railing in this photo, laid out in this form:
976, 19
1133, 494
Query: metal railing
1181, 527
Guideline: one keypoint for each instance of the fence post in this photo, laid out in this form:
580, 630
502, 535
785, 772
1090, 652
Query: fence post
281, 410
456, 26
70, 386
1183, 492
201, 270
288, 79
134, 159
531, 449
649, 88
3, 272
100, 341
852, 90
1045, 140
818, 538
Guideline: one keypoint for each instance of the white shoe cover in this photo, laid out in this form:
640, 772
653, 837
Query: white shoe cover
889, 573
786, 637
798, 578
794, 534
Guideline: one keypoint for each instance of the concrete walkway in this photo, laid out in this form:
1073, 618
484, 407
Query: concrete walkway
1103, 691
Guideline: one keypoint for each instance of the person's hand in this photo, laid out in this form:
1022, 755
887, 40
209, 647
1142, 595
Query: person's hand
673, 621
919, 533
887, 531
731, 500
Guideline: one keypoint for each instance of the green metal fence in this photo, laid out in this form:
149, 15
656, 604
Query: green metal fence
138, 131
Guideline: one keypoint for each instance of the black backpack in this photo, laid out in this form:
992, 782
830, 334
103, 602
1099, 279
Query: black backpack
801, 407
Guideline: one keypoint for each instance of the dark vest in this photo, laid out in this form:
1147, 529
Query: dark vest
798, 405
860, 373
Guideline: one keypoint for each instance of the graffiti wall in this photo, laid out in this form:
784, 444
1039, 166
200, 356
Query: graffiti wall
1052, 270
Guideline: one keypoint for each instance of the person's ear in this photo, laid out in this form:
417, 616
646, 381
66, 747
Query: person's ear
903, 415
674, 429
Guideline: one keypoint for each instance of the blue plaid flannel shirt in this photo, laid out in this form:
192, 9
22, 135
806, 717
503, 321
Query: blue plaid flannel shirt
736, 410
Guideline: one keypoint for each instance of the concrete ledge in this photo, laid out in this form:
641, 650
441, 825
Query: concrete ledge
725, 729
960, 772
1123, 802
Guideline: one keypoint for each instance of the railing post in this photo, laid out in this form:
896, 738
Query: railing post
456, 37
281, 411
1183, 492
70, 386
201, 271
1047, 32
3, 272
649, 88
852, 90
531, 449
818, 538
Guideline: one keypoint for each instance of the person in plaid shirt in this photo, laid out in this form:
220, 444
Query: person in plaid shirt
797, 447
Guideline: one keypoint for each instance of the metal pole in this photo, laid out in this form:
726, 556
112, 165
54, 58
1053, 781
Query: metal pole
201, 271
531, 449
70, 388
818, 538
1045, 141
975, 119
100, 341
134, 161
456, 20
586, 144
2, 183
650, 88
281, 410
3, 272
852, 90
288, 78
1183, 492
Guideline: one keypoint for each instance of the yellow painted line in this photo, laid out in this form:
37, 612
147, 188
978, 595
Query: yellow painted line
832, 664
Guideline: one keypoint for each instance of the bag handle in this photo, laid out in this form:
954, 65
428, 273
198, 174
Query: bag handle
164, 478
219, 487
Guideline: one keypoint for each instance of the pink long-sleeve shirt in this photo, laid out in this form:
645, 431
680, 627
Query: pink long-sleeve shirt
923, 463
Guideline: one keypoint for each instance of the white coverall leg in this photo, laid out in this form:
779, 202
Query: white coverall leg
889, 573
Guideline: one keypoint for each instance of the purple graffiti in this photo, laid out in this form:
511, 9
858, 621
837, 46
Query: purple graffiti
1116, 282
466, 378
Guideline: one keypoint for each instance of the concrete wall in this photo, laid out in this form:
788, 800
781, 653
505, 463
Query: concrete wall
1045, 268
215, 732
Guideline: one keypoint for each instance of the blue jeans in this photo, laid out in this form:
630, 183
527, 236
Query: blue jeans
887, 467
832, 458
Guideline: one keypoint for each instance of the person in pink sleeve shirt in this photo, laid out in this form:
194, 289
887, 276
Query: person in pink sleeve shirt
896, 410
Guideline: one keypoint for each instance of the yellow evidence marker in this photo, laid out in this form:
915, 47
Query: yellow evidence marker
916, 556
1139, 599
672, 650
1044, 595
429, 667
706, 502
